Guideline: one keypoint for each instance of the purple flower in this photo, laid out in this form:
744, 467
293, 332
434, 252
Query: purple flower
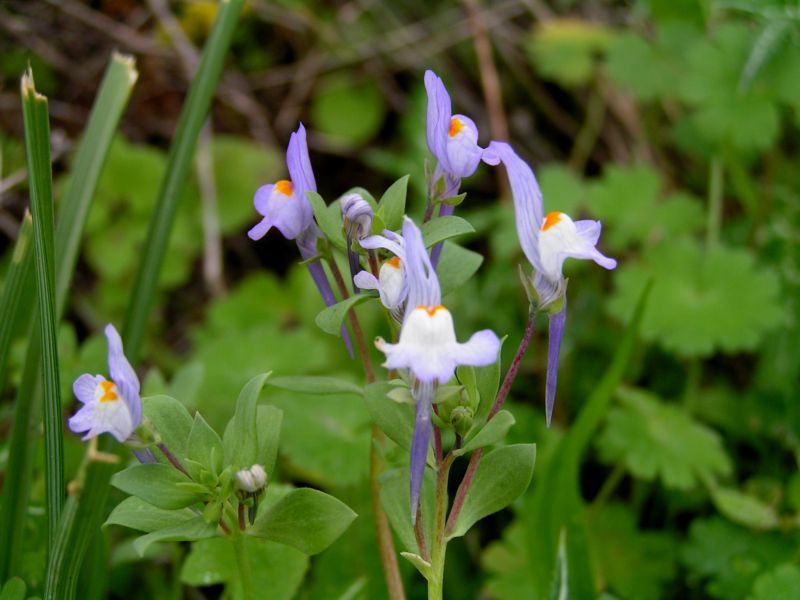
452, 139
547, 241
357, 215
428, 347
391, 282
285, 206
108, 406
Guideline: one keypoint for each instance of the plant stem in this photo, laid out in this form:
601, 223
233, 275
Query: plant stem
173, 459
439, 544
391, 570
245, 575
715, 192
369, 373
241, 516
609, 486
502, 394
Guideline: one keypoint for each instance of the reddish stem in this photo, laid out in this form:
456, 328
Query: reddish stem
172, 459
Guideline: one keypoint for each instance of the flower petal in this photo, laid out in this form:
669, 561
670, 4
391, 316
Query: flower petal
261, 197
123, 375
260, 229
366, 280
299, 164
463, 152
423, 284
419, 445
84, 387
438, 117
480, 350
555, 333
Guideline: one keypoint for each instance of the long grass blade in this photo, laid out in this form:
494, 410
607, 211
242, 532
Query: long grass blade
179, 161
109, 104
37, 144
13, 311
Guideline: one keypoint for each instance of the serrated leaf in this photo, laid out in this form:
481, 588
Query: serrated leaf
730, 557
502, 476
330, 319
241, 438
305, 519
137, 514
636, 564
310, 384
443, 228
274, 567
690, 311
392, 204
188, 531
657, 440
491, 433
157, 484
172, 422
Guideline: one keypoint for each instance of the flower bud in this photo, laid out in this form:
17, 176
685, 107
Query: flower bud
461, 419
358, 213
251, 480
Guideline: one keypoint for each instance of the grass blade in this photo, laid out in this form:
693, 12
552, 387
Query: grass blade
13, 311
37, 144
179, 161
106, 112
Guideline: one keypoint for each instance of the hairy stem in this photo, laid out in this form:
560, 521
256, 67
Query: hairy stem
502, 394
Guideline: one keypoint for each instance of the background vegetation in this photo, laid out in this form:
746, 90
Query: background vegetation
673, 122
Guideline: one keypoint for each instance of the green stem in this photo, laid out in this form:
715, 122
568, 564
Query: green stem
245, 575
716, 184
609, 486
439, 545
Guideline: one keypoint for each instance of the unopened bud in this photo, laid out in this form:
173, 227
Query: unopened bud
358, 212
251, 480
461, 419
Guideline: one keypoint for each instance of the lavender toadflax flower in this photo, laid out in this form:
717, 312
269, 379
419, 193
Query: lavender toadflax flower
547, 241
109, 406
428, 348
357, 215
391, 281
285, 206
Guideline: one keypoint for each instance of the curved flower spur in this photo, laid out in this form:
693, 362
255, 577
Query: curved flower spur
391, 281
284, 205
547, 241
428, 348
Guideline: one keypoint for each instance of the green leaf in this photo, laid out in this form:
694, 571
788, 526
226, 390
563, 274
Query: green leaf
241, 438
17, 288
179, 161
562, 189
330, 319
156, 484
306, 519
171, 420
636, 564
491, 433
487, 380
443, 228
40, 183
565, 49
392, 205
502, 476
274, 567
205, 445
13, 589
422, 565
268, 425
188, 531
329, 219
395, 419
781, 583
137, 514
396, 502
690, 310
744, 509
347, 110
310, 384
456, 266
653, 439
730, 557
